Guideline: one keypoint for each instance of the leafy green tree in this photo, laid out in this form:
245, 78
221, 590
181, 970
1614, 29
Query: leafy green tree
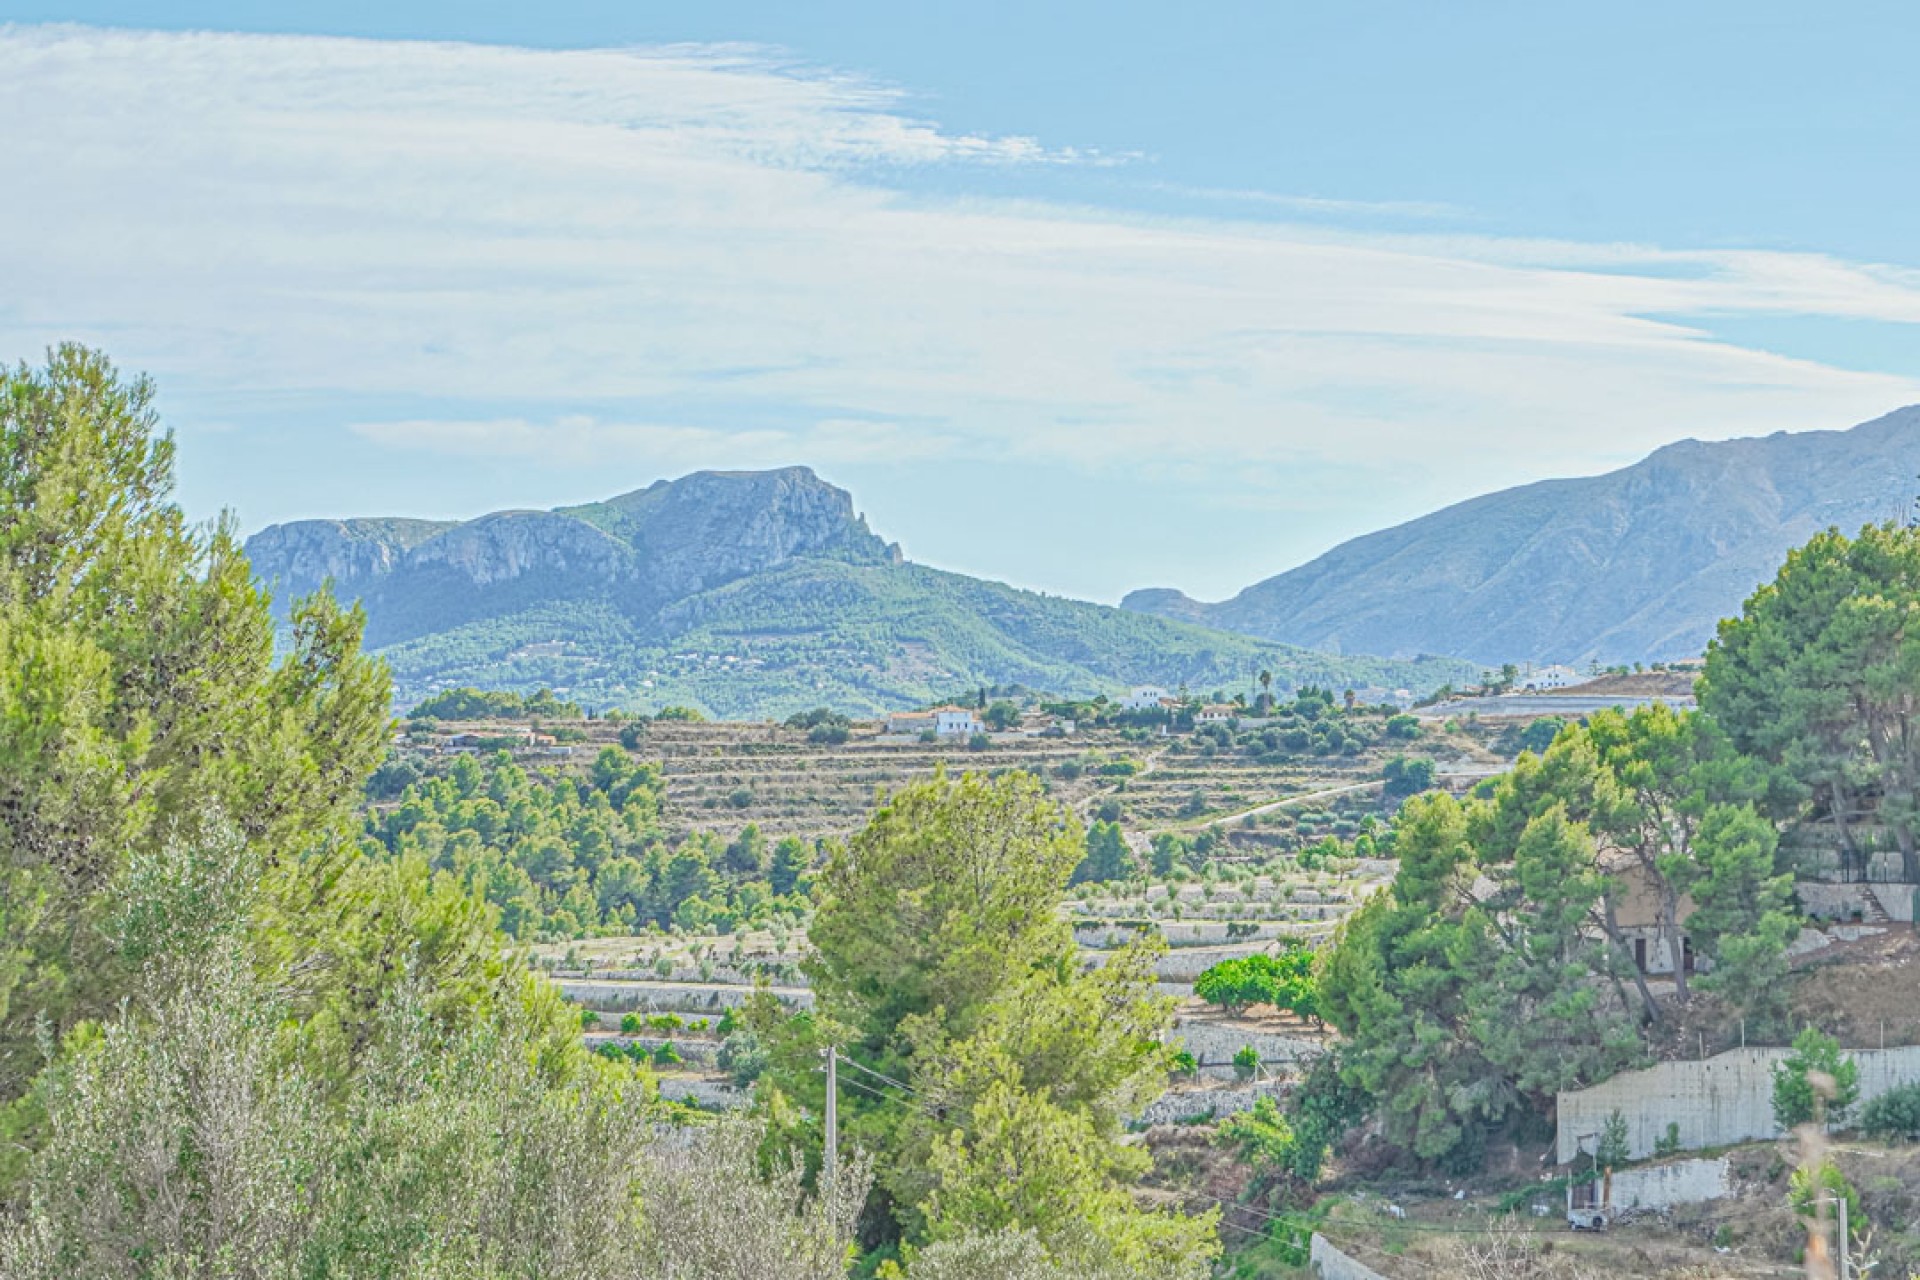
1815, 1080
942, 960
1284, 980
140, 696
1001, 715
1817, 677
1615, 1147
1742, 918
1108, 857
1812, 1191
1407, 777
790, 862
476, 704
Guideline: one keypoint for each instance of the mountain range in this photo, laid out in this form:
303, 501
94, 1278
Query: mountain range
745, 594
1635, 565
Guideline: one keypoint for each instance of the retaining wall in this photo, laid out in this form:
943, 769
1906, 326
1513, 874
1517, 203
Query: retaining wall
1662, 1186
1191, 1104
1331, 1264
1717, 1102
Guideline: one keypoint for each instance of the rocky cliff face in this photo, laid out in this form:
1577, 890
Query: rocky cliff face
641, 550
299, 556
1639, 564
514, 544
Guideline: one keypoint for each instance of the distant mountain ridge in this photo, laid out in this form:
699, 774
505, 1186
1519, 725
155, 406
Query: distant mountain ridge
748, 594
1635, 565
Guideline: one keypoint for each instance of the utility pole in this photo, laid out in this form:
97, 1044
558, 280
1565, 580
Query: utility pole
830, 1161
1846, 1254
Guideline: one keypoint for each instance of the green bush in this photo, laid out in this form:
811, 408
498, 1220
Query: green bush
1246, 1062
1894, 1115
1796, 1100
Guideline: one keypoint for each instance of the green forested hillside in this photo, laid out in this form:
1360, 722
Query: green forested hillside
746, 594
862, 638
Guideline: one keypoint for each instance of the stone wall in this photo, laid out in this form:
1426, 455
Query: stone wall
1181, 1105
669, 997
1331, 1264
1722, 1100
1215, 1043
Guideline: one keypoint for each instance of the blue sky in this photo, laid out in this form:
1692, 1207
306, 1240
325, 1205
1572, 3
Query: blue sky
1085, 297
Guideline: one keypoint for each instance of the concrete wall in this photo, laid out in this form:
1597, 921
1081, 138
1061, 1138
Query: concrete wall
1331, 1264
1825, 901
1662, 1186
1722, 1100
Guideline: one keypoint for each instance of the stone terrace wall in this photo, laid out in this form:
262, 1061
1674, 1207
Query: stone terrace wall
1716, 1102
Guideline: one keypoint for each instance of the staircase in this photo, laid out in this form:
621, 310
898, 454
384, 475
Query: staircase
1874, 913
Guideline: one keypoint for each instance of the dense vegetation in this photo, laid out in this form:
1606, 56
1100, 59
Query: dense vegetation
494, 704
236, 1041
945, 971
863, 638
1493, 974
561, 855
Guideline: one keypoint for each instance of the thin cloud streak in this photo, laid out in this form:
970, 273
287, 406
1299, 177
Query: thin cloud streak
651, 239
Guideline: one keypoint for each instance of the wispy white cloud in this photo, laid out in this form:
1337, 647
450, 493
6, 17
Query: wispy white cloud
580, 440
710, 228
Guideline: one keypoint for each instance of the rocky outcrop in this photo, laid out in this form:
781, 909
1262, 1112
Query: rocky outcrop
514, 544
653, 546
299, 556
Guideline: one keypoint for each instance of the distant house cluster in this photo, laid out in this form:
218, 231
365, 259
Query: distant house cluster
524, 741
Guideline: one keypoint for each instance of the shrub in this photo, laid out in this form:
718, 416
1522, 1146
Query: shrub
1246, 1061
666, 1055
1795, 1098
1808, 1188
740, 797
1894, 1115
1614, 1149
1184, 1064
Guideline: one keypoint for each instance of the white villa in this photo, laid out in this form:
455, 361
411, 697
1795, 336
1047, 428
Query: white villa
1148, 697
1217, 713
956, 722
1541, 679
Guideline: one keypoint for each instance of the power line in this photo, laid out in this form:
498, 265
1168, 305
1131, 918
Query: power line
879, 1075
